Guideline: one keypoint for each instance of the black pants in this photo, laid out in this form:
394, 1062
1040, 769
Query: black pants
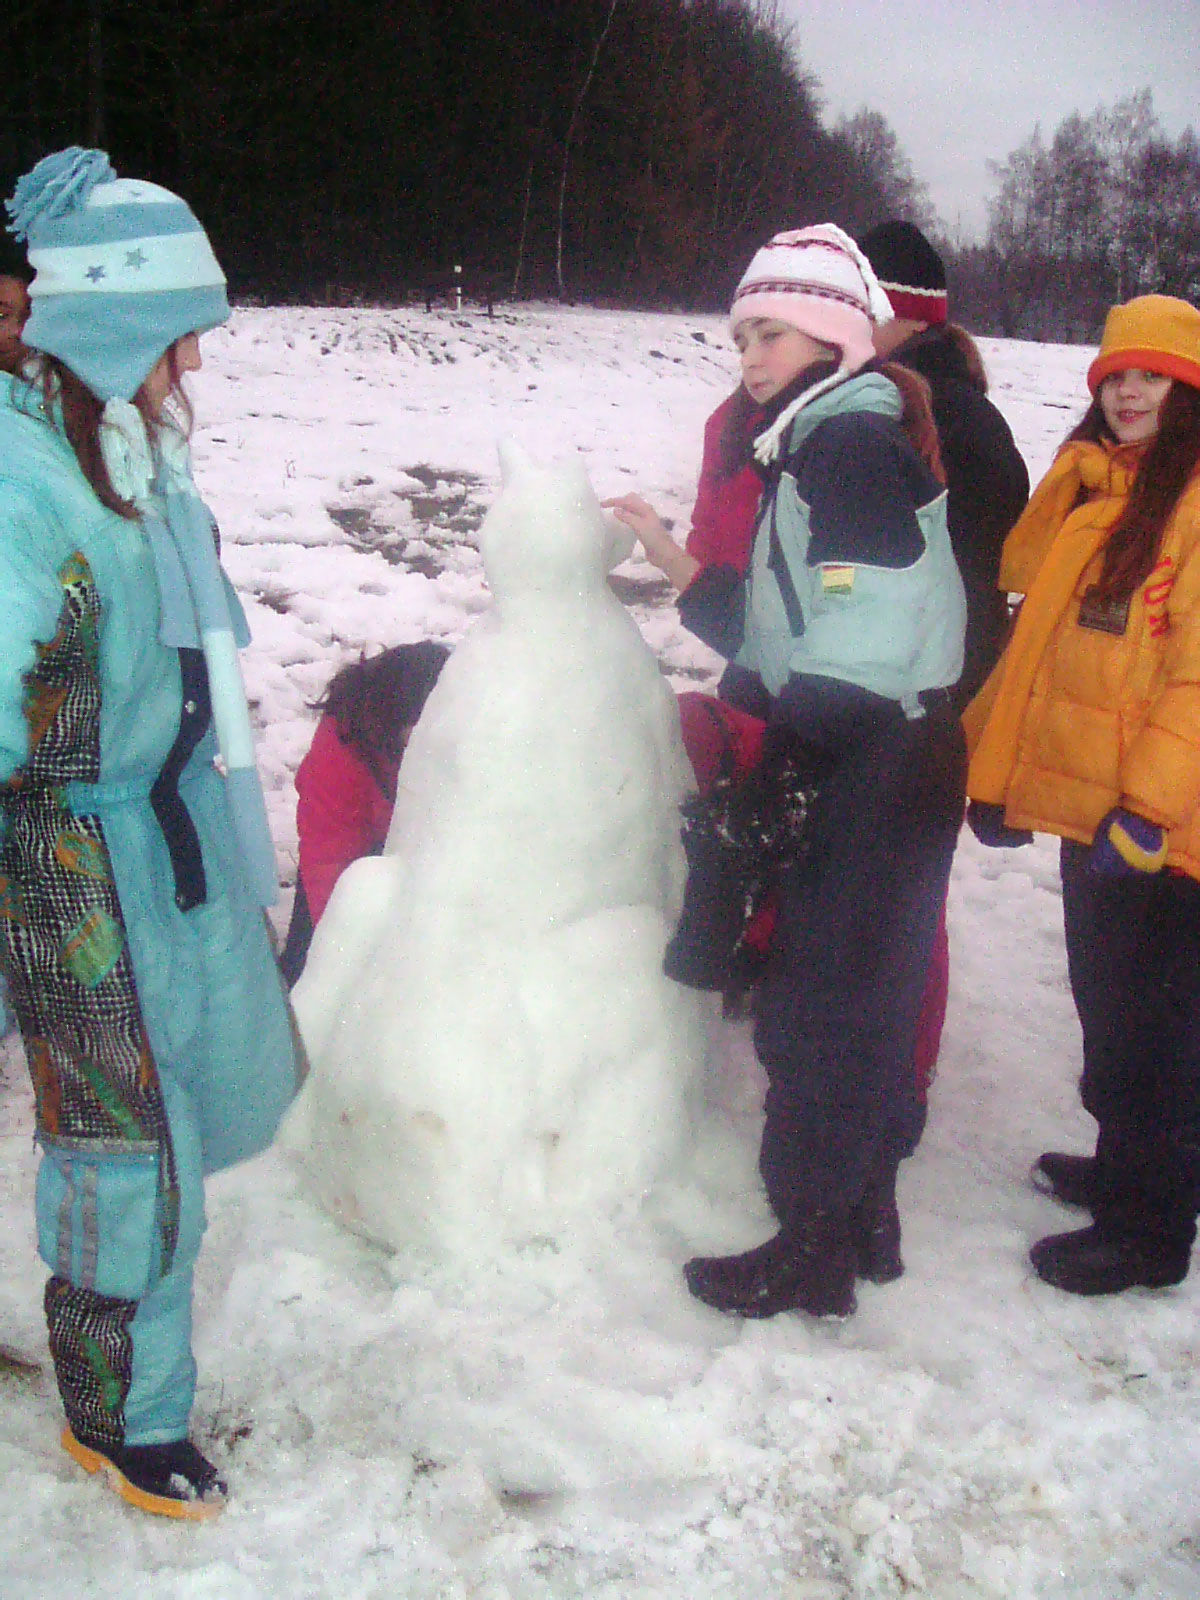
838, 1011
299, 937
1133, 953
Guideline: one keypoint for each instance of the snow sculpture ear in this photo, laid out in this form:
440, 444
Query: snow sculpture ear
614, 541
621, 542
513, 460
576, 479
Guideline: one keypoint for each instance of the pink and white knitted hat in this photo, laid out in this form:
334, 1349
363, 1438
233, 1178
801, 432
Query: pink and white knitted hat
818, 280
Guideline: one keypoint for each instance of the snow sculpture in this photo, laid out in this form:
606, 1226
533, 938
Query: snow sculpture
494, 1050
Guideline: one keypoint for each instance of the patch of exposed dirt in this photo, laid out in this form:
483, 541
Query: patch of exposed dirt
650, 592
447, 508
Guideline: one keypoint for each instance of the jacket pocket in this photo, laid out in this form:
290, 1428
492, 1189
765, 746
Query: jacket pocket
99, 1220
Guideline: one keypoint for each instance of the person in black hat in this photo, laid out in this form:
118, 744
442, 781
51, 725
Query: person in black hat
986, 479
987, 485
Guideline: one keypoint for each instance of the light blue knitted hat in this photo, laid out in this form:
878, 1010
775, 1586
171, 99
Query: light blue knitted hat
122, 269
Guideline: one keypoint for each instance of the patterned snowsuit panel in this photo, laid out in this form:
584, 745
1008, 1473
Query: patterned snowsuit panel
72, 989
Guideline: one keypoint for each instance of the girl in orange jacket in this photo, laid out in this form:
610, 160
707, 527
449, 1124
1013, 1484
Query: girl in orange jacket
1089, 728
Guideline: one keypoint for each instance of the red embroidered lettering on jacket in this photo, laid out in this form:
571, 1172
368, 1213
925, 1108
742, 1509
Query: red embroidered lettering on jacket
1157, 592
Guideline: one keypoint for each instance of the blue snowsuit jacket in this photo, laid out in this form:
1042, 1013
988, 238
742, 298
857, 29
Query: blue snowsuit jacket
214, 1021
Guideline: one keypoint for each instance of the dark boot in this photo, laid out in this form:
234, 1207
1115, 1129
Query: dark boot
1112, 1255
803, 1268
1075, 1180
724, 1282
875, 1230
170, 1480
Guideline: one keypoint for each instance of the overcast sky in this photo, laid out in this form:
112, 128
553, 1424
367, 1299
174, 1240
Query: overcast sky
964, 80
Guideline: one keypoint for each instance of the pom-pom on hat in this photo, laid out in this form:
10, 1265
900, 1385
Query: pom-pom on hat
122, 269
818, 280
910, 270
1156, 333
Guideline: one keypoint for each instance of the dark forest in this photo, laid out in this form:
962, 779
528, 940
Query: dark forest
630, 152
624, 150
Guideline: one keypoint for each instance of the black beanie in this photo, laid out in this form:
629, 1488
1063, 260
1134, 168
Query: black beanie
909, 269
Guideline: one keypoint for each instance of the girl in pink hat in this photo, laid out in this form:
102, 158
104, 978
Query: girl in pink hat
850, 617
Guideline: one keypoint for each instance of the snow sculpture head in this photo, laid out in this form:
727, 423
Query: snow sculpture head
547, 533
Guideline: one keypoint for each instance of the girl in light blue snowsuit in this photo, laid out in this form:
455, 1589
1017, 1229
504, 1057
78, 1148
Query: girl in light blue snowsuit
133, 873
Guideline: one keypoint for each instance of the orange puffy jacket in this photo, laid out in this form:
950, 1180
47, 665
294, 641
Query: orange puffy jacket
1080, 715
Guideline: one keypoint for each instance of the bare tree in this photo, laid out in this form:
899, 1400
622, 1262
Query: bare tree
1106, 210
890, 187
569, 140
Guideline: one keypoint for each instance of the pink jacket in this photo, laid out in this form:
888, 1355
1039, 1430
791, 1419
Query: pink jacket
341, 814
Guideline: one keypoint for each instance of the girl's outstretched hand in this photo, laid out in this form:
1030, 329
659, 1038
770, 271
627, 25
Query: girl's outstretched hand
640, 517
654, 536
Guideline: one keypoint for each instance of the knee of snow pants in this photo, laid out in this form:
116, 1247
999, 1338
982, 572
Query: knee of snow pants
1133, 954
839, 1010
101, 1222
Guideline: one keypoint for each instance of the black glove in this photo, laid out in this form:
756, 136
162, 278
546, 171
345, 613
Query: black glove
986, 821
722, 890
790, 762
738, 840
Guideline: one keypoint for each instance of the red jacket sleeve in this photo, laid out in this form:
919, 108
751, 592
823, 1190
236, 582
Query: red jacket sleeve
341, 814
726, 508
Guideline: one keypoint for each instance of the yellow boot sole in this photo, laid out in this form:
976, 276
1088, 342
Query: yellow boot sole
159, 1505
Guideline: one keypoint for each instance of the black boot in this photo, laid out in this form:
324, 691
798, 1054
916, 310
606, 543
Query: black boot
170, 1480
875, 1230
1075, 1180
1111, 1256
803, 1268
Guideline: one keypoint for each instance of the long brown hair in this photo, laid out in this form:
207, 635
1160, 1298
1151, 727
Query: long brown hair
1167, 466
83, 412
917, 417
376, 700
969, 351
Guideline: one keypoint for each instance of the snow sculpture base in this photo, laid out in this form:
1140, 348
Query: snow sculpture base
495, 1052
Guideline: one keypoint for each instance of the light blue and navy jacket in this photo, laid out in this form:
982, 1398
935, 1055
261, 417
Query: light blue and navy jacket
853, 599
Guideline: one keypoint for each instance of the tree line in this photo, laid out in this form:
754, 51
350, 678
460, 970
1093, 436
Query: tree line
629, 152
1107, 208
632, 150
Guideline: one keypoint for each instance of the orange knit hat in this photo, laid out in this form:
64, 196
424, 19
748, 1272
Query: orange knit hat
1155, 332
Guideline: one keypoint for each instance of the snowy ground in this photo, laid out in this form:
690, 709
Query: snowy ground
568, 1422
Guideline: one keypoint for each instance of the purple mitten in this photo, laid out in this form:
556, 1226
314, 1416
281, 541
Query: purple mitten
1126, 845
986, 821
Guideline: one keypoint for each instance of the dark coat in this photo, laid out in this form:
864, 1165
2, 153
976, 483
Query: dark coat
988, 486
